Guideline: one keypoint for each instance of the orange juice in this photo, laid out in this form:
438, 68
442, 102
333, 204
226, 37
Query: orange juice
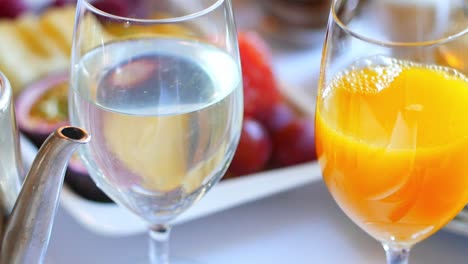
392, 141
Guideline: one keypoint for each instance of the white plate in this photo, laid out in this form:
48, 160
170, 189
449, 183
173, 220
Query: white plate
112, 220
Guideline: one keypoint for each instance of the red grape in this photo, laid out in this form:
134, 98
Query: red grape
12, 8
294, 143
114, 7
64, 2
254, 149
278, 117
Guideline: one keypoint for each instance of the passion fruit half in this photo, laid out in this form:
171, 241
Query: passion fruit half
42, 107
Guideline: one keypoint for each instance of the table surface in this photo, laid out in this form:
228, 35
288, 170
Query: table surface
300, 226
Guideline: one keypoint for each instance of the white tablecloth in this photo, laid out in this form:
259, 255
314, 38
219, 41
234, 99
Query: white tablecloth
300, 226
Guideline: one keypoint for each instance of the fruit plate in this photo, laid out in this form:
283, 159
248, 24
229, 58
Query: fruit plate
111, 220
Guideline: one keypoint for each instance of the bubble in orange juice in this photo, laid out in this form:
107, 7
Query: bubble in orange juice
392, 140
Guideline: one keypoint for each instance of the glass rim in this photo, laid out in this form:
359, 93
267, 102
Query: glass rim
5, 92
385, 43
183, 18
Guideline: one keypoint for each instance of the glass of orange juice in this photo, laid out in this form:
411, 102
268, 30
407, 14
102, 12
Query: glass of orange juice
392, 118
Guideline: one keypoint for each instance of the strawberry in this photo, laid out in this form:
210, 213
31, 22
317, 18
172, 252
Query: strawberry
260, 90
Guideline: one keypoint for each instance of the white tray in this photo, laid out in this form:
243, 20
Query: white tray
112, 220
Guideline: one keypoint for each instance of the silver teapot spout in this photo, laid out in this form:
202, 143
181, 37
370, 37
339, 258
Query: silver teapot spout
27, 213
28, 228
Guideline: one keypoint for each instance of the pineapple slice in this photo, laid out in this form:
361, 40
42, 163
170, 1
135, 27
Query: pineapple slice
204, 169
29, 51
129, 31
33, 46
155, 151
46, 56
92, 33
58, 24
16, 57
152, 148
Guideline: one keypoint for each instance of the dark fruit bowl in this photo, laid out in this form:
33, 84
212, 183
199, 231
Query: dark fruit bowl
79, 181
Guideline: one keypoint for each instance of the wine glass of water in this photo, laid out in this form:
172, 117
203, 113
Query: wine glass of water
158, 86
392, 117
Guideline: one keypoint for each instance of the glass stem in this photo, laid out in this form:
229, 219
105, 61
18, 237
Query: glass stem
159, 244
396, 255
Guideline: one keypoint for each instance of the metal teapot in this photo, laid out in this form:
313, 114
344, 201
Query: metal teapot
28, 208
